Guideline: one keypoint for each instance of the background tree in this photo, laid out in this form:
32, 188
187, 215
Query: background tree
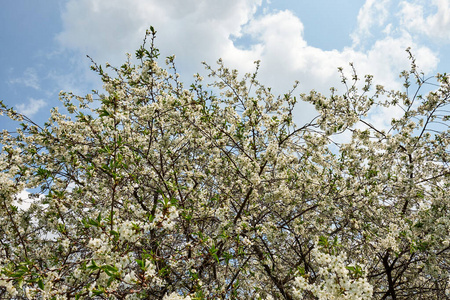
154, 191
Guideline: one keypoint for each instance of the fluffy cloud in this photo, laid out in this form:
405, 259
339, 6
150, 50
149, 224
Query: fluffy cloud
204, 31
416, 16
285, 54
193, 30
372, 13
31, 108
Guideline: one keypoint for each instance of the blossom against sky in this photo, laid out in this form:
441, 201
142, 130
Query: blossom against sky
45, 43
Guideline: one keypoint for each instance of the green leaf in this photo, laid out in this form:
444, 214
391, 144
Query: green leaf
140, 263
301, 270
40, 284
103, 113
93, 266
98, 292
323, 241
350, 268
62, 228
108, 268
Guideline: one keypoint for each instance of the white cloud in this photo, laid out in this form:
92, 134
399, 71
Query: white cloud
372, 13
31, 108
387, 57
286, 55
415, 17
193, 30
29, 79
203, 31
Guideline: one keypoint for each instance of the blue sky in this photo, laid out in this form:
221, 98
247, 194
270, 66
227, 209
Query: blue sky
45, 42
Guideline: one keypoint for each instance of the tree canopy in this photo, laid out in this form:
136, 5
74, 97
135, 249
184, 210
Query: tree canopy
157, 191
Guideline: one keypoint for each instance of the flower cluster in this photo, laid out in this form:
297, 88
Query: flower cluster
335, 279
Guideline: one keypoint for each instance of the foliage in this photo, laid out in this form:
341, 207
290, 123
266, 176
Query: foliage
154, 191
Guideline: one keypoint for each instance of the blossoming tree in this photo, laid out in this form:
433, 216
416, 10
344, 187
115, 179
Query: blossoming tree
154, 191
